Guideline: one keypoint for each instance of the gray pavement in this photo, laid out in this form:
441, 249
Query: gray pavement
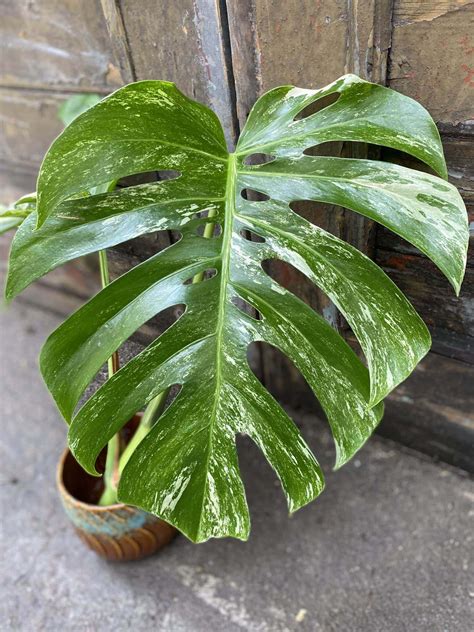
387, 547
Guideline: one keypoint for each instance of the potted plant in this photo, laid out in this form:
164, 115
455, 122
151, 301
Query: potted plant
183, 468
115, 531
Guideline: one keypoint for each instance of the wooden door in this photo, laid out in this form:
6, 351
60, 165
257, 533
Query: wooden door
225, 53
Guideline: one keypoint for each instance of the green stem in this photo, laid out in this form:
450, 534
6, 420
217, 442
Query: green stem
208, 233
151, 414
109, 495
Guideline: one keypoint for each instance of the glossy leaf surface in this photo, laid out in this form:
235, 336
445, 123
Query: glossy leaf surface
186, 469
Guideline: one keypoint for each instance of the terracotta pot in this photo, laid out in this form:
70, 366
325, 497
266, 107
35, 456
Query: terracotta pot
118, 532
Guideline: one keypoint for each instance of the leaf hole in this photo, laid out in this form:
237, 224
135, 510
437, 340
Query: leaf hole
136, 179
258, 159
317, 105
338, 149
283, 379
293, 280
202, 214
207, 274
245, 307
321, 214
251, 236
254, 195
398, 157
146, 177
158, 324
168, 174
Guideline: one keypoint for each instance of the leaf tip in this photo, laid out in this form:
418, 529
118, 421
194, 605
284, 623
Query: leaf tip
87, 466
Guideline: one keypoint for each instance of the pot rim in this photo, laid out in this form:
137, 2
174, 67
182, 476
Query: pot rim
65, 492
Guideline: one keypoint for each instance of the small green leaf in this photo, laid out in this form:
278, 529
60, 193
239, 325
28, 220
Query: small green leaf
14, 216
76, 105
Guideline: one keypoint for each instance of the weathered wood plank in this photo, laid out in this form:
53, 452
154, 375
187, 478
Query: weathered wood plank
118, 39
459, 152
308, 44
452, 345
60, 44
430, 293
431, 58
183, 42
29, 124
14, 183
433, 411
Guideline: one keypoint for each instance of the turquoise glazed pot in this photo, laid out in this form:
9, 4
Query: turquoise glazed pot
117, 532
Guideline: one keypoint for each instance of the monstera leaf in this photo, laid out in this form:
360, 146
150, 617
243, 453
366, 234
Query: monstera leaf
186, 468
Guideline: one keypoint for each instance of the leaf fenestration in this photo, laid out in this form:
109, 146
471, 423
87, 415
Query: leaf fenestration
186, 469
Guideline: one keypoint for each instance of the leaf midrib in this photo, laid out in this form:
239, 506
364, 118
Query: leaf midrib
229, 212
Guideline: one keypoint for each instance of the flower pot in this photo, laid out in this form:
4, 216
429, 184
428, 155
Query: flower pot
117, 532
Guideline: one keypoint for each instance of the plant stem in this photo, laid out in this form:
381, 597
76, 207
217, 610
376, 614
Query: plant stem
109, 495
151, 414
208, 233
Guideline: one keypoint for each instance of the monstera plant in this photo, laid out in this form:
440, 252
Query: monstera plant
184, 468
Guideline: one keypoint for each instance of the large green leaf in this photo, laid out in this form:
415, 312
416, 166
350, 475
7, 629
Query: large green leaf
186, 468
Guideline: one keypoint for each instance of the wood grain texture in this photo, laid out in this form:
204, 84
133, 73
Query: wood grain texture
430, 293
118, 39
432, 56
56, 44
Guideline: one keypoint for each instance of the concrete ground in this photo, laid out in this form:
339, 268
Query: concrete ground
387, 546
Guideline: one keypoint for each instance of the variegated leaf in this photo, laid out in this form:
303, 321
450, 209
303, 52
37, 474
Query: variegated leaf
186, 469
